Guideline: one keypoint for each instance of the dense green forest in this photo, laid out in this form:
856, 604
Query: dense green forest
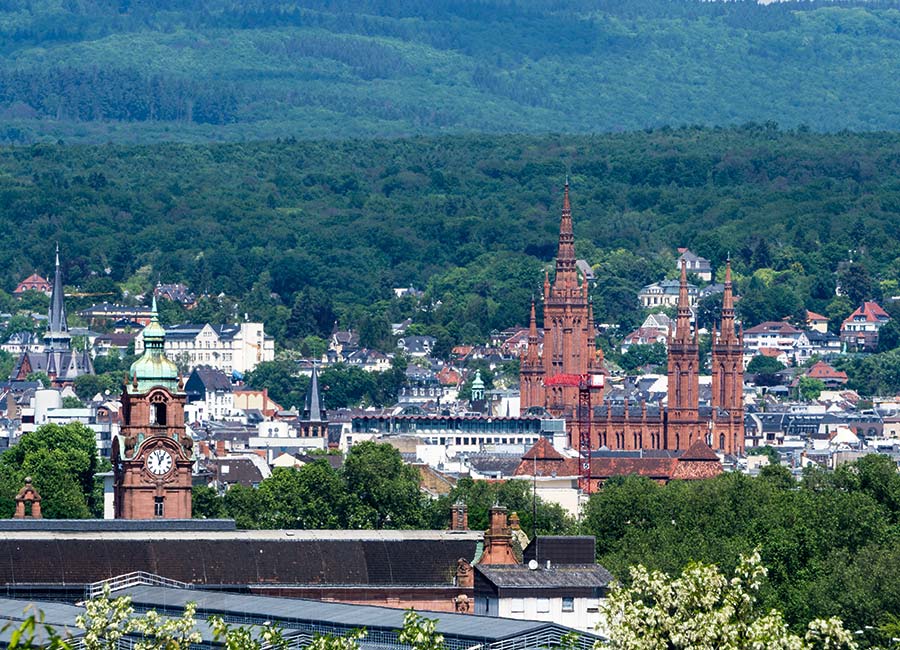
301, 234
119, 70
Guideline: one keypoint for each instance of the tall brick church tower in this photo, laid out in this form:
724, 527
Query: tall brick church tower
152, 455
683, 426
569, 346
727, 379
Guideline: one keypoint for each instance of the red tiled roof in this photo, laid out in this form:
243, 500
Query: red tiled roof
770, 352
822, 370
872, 312
645, 333
543, 450
813, 316
699, 450
772, 327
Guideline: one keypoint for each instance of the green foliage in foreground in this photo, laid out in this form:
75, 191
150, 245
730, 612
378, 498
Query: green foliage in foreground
373, 489
830, 543
98, 71
62, 460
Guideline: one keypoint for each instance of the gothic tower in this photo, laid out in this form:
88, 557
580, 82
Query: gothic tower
569, 346
683, 417
314, 423
152, 455
531, 376
727, 379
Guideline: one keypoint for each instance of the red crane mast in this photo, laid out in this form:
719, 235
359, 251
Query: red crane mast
586, 384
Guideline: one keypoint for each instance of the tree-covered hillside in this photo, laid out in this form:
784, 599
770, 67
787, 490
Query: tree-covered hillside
120, 70
301, 233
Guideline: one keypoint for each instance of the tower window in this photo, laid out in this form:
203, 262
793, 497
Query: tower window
158, 414
159, 506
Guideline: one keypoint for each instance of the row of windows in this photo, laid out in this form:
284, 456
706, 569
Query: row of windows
517, 605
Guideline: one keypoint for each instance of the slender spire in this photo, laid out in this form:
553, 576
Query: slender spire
566, 276
683, 322
727, 328
313, 411
57, 336
531, 355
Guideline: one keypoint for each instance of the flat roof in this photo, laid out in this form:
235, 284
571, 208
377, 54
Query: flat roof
298, 614
161, 533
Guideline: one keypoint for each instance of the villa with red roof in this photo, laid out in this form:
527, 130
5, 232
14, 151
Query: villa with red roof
860, 330
816, 322
34, 282
826, 374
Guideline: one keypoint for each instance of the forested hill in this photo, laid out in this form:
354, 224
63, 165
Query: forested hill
471, 219
194, 70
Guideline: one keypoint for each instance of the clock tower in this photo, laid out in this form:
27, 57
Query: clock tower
152, 455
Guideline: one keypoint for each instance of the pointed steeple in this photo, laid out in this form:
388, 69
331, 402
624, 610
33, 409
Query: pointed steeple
727, 328
531, 356
57, 336
313, 411
566, 276
683, 322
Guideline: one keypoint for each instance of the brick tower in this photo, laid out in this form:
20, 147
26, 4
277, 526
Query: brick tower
569, 346
531, 374
683, 426
152, 455
727, 379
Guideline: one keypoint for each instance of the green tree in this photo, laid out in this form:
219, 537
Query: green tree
385, 489
763, 365
206, 503
39, 377
312, 497
70, 402
810, 388
640, 356
62, 461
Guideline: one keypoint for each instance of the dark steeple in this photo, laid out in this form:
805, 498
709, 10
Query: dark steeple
57, 336
313, 411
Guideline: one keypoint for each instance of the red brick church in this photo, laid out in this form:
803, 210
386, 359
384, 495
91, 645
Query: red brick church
569, 348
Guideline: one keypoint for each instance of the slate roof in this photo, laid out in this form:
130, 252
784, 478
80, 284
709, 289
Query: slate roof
557, 576
207, 379
773, 327
561, 549
211, 558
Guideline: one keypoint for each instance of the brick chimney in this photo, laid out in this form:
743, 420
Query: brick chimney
459, 516
28, 502
498, 539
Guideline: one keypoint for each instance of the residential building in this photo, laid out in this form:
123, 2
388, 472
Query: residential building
832, 378
644, 336
416, 346
176, 292
777, 335
559, 580
106, 312
665, 294
816, 322
20, 342
859, 331
229, 348
33, 282
696, 265
209, 392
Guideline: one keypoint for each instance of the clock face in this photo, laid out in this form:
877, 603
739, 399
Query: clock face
159, 462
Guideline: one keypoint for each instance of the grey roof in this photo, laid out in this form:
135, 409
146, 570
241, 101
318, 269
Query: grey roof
313, 411
190, 331
207, 378
560, 575
298, 614
57, 615
100, 526
561, 549
499, 464
58, 322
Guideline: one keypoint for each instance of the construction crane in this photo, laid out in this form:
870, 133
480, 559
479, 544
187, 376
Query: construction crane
585, 384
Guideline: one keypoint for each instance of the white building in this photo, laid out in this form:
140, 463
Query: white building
229, 348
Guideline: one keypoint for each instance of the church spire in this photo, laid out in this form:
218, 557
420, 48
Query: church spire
683, 322
566, 276
726, 329
531, 355
313, 411
57, 336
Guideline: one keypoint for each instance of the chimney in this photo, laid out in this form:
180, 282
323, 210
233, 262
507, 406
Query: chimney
498, 539
459, 516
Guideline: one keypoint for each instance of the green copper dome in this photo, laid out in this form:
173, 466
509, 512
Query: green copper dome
153, 368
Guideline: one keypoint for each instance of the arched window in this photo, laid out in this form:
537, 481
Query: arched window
721, 441
158, 414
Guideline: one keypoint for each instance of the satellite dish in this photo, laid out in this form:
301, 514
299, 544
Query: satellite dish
533, 565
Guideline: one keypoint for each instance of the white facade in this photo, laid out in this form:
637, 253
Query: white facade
573, 611
227, 348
